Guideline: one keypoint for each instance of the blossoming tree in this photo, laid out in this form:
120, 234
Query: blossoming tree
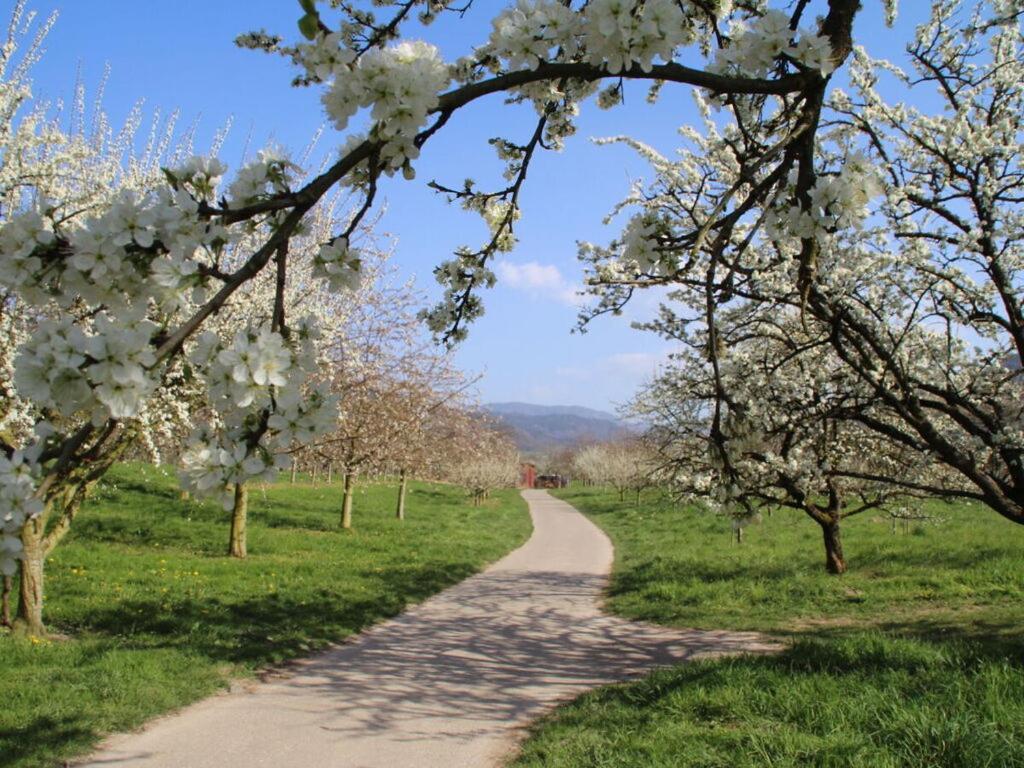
627, 464
484, 460
776, 423
896, 232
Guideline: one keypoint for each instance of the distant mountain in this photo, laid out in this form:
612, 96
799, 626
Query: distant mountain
529, 409
540, 428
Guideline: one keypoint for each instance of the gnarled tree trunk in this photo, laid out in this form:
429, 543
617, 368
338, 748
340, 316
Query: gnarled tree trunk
834, 560
403, 483
239, 516
29, 619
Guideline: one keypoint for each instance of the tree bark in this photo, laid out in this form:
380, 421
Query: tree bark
239, 515
738, 534
330, 473
5, 602
315, 468
346, 504
403, 483
638, 497
295, 469
834, 560
29, 619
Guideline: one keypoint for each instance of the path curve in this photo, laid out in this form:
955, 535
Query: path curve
447, 684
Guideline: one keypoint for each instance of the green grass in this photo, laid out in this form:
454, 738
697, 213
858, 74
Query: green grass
915, 657
150, 615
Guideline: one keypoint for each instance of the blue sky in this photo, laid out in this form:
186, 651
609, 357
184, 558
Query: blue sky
179, 55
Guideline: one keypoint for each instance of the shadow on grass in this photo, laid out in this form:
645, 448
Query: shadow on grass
42, 736
885, 690
988, 638
273, 627
640, 576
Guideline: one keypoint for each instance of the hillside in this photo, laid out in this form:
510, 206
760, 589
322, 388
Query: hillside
540, 428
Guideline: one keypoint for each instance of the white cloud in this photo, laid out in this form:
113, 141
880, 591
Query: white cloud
542, 281
622, 372
637, 363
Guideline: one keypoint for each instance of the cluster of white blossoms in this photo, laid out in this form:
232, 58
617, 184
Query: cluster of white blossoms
755, 47
17, 505
257, 389
616, 34
839, 201
103, 371
639, 249
621, 33
528, 32
401, 83
269, 173
339, 265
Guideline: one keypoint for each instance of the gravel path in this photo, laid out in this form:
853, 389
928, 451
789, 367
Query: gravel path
449, 683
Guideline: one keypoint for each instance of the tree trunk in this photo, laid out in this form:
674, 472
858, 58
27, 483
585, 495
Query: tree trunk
30, 587
738, 534
315, 468
5, 602
295, 469
834, 560
403, 483
239, 513
330, 473
622, 494
346, 504
638, 497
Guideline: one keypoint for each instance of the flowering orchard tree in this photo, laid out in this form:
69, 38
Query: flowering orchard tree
76, 171
626, 465
387, 376
72, 175
486, 459
777, 424
894, 229
147, 271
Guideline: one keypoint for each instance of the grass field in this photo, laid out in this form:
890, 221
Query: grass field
915, 657
150, 615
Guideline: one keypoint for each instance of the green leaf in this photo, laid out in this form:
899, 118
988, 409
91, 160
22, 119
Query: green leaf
309, 6
309, 26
